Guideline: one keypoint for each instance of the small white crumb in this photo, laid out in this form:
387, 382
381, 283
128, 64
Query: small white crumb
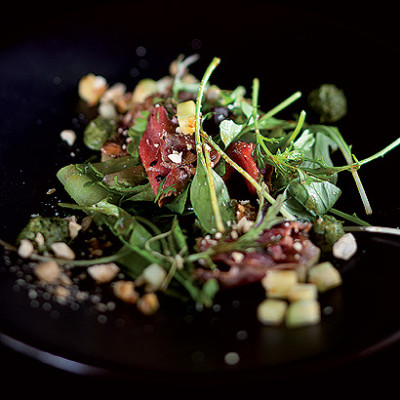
51, 191
69, 136
175, 157
103, 273
237, 257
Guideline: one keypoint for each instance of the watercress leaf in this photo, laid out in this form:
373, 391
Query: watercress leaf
229, 130
201, 200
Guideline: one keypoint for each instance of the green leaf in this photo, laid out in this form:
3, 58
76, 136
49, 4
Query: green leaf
316, 145
178, 204
229, 130
98, 131
316, 196
136, 131
201, 200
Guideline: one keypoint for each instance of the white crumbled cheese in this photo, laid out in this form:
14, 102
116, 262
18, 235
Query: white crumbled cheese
103, 273
175, 157
62, 250
69, 136
25, 249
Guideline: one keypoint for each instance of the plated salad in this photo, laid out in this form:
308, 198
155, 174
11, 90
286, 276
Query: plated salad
193, 190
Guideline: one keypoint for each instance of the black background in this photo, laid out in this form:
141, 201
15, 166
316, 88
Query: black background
377, 372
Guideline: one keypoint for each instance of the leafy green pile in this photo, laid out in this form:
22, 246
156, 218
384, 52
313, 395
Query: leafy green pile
117, 195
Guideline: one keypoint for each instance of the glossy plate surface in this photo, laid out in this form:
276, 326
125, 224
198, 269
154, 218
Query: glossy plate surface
38, 99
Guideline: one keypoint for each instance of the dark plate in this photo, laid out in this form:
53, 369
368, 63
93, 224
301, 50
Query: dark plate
293, 51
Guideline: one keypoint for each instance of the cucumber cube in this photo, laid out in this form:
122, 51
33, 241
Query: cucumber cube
302, 291
303, 313
272, 312
325, 276
277, 282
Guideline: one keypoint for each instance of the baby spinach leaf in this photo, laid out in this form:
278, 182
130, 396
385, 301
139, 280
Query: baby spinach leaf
98, 131
201, 200
316, 196
229, 130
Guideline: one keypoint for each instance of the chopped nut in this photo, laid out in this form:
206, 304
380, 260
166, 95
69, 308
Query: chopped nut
48, 271
73, 228
62, 250
61, 292
91, 87
125, 291
51, 191
40, 240
103, 273
148, 304
25, 249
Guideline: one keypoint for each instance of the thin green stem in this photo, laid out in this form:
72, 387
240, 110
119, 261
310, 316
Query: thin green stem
381, 153
246, 175
273, 111
297, 129
202, 151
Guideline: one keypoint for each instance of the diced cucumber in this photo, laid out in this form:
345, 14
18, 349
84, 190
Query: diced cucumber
272, 311
186, 116
325, 276
302, 291
303, 313
277, 282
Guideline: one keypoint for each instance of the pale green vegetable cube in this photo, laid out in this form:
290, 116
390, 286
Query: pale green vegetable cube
186, 116
325, 276
278, 282
272, 311
303, 313
302, 291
